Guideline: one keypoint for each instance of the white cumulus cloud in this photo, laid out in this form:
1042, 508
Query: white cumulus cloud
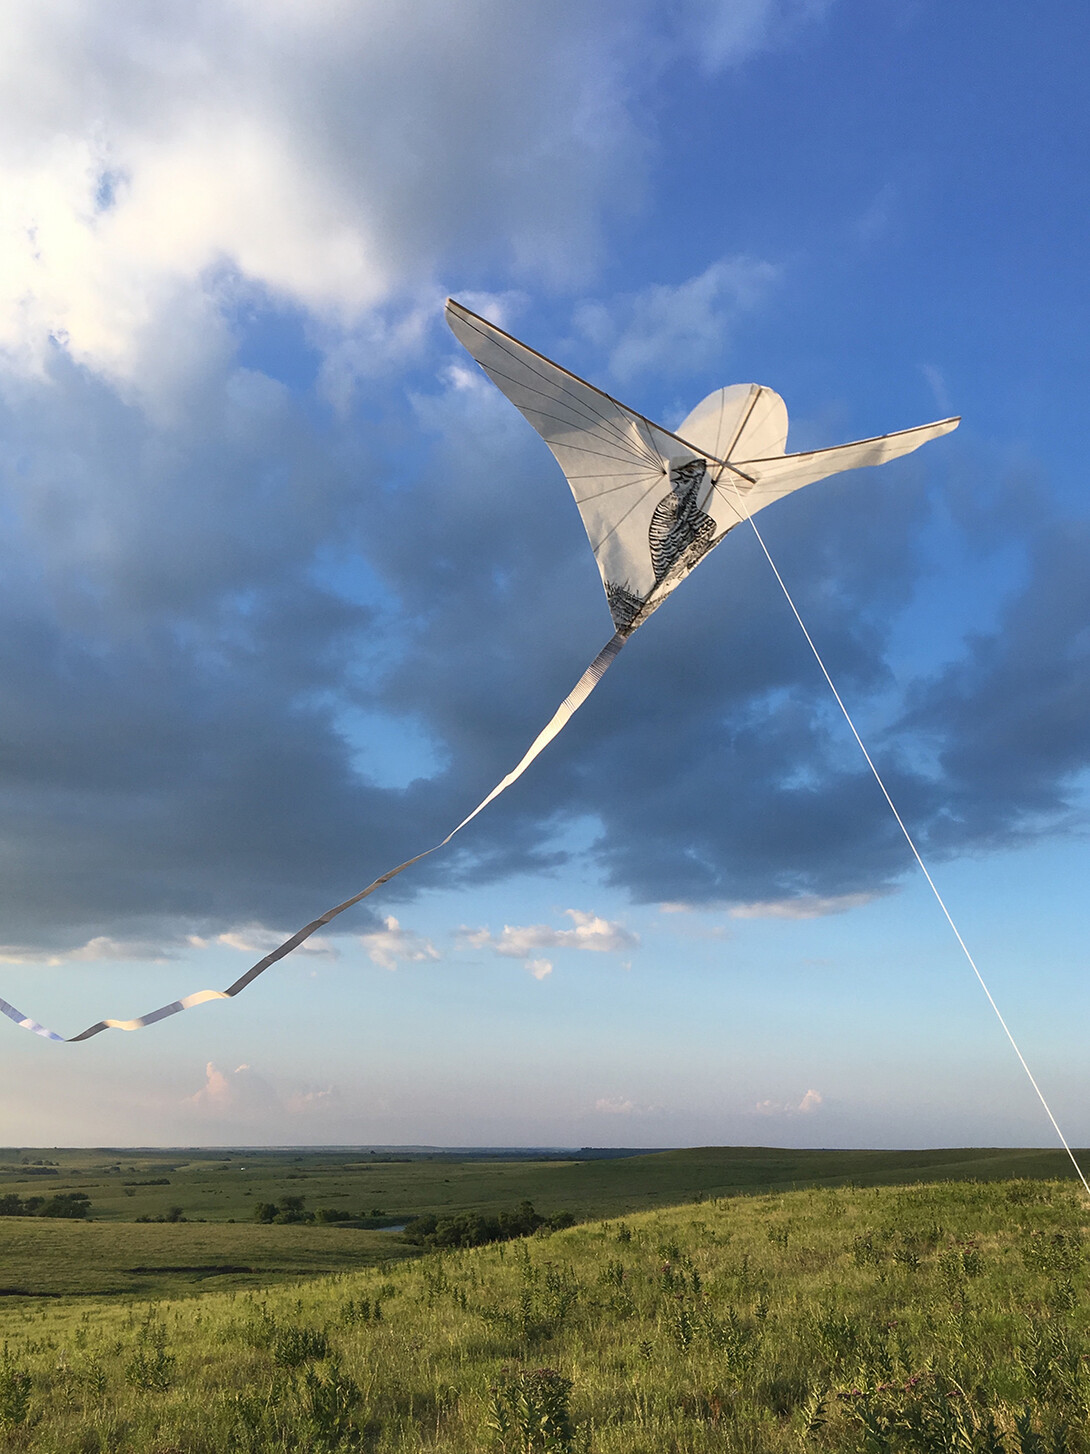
158, 161
811, 1101
591, 932
392, 945
245, 1096
615, 1106
237, 1092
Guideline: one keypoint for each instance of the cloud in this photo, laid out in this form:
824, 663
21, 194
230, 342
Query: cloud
677, 330
219, 220
153, 159
1006, 722
392, 945
804, 906
811, 1101
723, 33
213, 223
317, 1101
257, 940
591, 933
234, 1093
615, 1106
162, 165
242, 1095
936, 382
102, 948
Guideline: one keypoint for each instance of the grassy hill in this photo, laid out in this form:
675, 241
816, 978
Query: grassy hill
910, 1319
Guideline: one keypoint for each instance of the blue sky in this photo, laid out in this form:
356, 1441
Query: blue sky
287, 586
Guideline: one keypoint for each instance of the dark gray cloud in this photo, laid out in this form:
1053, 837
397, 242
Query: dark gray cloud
204, 572
191, 604
713, 755
1008, 721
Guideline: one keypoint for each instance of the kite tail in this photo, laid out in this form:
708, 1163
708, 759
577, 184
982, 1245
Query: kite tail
562, 716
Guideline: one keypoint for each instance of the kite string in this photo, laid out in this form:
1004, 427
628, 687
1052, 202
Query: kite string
912, 844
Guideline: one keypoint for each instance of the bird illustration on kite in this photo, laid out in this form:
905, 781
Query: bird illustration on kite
654, 502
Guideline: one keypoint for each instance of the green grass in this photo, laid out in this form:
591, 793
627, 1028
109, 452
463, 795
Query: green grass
913, 1320
97, 1259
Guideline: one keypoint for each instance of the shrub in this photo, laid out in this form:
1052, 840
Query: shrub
71, 1205
529, 1412
151, 1366
288, 1209
326, 1402
473, 1229
15, 1384
291, 1346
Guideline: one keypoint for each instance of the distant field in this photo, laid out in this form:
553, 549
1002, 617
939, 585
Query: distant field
102, 1259
222, 1186
944, 1319
214, 1189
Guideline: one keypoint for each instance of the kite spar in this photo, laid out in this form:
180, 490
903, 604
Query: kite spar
654, 503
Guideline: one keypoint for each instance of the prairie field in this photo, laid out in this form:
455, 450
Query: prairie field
950, 1316
224, 1185
101, 1259
163, 1223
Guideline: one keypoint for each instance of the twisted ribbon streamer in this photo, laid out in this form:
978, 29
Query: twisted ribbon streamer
560, 719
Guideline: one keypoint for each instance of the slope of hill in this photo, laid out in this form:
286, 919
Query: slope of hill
894, 1320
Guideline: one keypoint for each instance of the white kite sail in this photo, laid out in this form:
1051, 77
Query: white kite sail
653, 502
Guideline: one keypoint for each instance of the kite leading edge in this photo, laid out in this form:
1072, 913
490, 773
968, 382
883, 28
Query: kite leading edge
654, 503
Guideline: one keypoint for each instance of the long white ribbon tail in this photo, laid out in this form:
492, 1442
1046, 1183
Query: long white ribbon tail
562, 716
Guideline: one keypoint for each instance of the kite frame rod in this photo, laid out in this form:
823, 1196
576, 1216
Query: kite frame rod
627, 408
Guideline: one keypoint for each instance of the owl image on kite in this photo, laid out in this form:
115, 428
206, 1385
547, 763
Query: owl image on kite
654, 502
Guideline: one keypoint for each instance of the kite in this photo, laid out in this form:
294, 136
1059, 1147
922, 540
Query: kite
654, 503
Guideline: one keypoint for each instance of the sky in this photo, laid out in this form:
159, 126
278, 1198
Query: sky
286, 585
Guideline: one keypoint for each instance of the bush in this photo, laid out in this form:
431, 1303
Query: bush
15, 1385
288, 1209
473, 1229
529, 1411
289, 1343
291, 1346
151, 1366
72, 1205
